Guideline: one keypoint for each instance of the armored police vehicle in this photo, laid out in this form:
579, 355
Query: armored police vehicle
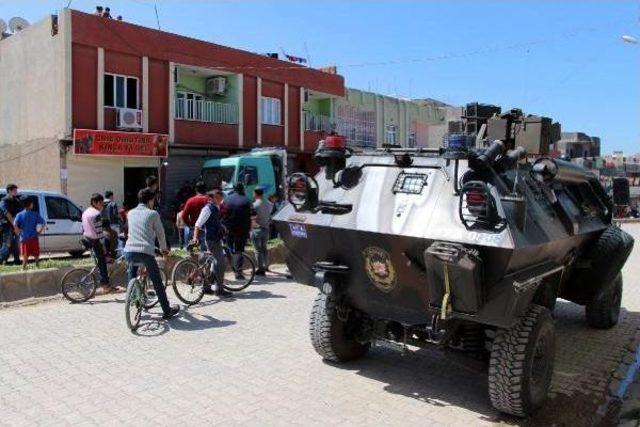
465, 247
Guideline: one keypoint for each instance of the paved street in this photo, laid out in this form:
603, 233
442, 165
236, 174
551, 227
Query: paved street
249, 361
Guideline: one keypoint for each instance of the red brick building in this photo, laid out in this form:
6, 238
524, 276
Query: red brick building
203, 99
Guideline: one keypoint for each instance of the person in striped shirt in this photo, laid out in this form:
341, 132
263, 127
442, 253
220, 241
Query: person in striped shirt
145, 227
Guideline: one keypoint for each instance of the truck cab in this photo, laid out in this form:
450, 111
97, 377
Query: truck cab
263, 167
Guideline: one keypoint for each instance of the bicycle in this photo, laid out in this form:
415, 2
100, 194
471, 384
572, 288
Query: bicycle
192, 274
138, 297
80, 284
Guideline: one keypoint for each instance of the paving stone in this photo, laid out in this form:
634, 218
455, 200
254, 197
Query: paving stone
249, 361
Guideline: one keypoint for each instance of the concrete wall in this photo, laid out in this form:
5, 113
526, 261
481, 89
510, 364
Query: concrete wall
33, 84
35, 107
107, 173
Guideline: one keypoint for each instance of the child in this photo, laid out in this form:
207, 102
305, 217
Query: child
29, 224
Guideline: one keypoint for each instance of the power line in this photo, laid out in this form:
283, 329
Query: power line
29, 152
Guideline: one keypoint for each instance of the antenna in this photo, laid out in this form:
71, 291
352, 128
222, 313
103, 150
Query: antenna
17, 24
3, 27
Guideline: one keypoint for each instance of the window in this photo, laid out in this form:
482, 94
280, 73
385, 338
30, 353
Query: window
218, 177
270, 111
189, 106
59, 208
121, 91
248, 175
390, 135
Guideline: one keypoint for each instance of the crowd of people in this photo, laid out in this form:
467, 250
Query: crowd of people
206, 220
105, 12
20, 227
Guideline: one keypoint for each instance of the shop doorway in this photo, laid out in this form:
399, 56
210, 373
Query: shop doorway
134, 181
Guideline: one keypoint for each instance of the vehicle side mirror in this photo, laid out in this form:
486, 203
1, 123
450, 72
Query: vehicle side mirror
302, 192
248, 179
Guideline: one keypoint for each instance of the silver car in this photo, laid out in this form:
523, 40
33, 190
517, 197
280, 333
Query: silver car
63, 221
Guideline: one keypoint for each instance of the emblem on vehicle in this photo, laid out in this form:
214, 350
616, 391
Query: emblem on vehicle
378, 265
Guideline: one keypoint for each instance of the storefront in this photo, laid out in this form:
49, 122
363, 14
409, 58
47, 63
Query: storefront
116, 161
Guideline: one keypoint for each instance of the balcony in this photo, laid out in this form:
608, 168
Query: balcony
206, 111
359, 133
317, 122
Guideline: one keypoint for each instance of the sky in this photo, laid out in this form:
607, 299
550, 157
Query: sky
564, 60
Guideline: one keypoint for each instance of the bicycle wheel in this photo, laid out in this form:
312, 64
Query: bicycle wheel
235, 281
188, 281
151, 299
78, 285
133, 304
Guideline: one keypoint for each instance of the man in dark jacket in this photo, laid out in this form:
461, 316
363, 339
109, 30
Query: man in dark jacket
237, 219
9, 208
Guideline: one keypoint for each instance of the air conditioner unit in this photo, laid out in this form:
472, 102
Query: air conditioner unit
216, 85
129, 118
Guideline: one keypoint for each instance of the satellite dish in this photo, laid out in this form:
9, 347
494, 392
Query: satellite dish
3, 27
17, 24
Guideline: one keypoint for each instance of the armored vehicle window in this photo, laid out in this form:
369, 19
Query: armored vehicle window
410, 183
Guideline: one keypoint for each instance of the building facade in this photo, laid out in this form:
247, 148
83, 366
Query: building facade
368, 119
141, 102
578, 145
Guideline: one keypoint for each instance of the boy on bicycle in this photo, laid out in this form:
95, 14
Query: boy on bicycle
145, 227
209, 222
92, 236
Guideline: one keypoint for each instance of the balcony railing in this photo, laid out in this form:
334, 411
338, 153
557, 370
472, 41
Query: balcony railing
359, 133
206, 111
317, 122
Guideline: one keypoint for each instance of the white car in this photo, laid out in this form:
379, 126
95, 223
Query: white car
63, 220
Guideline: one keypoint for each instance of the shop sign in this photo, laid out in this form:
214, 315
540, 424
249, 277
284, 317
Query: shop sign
111, 143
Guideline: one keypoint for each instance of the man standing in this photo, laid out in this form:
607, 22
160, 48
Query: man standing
111, 221
237, 220
29, 225
93, 235
209, 222
194, 205
145, 227
261, 229
9, 208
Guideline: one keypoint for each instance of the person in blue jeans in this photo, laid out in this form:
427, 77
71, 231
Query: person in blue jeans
145, 228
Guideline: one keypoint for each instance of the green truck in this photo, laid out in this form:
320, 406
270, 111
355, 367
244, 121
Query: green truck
265, 167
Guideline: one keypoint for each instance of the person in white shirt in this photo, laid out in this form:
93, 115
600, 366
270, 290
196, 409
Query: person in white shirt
209, 222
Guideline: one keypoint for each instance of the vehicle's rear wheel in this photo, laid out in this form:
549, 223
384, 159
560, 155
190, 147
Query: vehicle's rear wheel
332, 338
521, 363
603, 313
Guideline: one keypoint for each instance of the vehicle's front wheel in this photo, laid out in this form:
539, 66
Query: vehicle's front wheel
603, 313
521, 363
333, 338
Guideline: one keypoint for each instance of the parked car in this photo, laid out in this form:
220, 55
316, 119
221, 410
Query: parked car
63, 221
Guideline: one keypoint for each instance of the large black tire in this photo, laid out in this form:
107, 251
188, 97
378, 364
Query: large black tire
603, 313
521, 363
332, 338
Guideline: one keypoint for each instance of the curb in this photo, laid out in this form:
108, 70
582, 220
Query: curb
20, 287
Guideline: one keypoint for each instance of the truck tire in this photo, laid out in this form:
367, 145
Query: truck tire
603, 313
330, 336
521, 363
